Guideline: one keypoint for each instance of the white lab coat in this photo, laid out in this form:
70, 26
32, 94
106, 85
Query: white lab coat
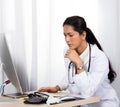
92, 83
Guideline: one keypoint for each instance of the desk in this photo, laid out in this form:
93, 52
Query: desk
18, 103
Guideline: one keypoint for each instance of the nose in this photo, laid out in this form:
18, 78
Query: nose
67, 38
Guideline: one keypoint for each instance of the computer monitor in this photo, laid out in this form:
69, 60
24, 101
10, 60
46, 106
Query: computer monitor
8, 66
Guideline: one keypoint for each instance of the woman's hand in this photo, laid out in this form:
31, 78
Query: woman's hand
74, 57
49, 89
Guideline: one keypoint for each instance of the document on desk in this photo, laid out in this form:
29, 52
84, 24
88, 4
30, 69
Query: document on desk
58, 94
60, 97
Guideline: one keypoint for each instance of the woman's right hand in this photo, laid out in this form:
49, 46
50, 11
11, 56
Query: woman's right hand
49, 89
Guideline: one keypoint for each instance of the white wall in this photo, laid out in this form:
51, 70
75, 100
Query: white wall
11, 24
108, 34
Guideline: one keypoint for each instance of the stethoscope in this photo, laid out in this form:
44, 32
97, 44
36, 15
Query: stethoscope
72, 65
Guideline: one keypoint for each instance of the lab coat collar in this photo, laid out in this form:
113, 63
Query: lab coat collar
85, 55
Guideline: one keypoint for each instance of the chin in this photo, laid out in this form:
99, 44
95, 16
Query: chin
72, 48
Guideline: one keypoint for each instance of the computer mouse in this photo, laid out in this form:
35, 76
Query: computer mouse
67, 98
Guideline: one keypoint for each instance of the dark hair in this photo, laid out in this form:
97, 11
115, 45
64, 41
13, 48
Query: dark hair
79, 25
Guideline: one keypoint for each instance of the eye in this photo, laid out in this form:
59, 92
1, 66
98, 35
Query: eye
71, 35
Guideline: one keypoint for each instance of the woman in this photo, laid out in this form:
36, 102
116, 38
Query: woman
89, 70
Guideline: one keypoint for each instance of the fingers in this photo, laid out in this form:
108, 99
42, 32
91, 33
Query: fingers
43, 89
48, 89
67, 53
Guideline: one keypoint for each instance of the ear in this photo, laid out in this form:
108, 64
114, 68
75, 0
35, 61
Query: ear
83, 35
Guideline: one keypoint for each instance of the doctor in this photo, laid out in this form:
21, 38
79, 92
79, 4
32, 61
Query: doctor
89, 72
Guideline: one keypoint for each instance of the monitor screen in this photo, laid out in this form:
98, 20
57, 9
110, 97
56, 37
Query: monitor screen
7, 64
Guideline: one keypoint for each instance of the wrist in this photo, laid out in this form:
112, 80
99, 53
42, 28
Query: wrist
79, 64
80, 69
57, 87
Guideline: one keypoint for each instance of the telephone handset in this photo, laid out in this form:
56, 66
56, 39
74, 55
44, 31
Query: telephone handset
36, 98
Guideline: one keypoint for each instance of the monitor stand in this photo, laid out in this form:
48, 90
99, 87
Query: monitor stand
16, 95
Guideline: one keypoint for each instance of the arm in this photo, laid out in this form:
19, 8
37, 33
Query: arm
49, 89
88, 82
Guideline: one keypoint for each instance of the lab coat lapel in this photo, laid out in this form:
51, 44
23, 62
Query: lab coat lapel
86, 59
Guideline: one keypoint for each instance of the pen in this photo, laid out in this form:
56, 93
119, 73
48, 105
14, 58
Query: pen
23, 98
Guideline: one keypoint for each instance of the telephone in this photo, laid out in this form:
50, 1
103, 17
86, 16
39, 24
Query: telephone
36, 98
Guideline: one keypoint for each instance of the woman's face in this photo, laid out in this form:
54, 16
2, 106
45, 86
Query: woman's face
73, 39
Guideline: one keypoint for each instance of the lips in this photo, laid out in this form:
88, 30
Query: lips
69, 45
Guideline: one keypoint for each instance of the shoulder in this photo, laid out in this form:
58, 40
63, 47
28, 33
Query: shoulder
97, 53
